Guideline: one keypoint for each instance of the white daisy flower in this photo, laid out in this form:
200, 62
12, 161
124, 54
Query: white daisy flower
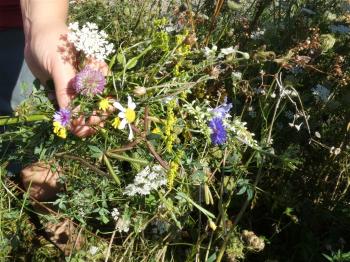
126, 116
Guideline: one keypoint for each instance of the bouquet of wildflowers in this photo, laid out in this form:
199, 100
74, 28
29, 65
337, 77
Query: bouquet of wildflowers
160, 140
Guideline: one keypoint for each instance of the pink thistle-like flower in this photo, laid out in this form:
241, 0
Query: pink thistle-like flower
89, 82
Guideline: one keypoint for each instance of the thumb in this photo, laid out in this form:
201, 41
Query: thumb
63, 74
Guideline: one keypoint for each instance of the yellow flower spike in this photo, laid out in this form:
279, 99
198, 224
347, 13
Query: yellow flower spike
171, 175
103, 104
116, 122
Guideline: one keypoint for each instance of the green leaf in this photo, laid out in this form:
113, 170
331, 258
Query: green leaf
121, 58
96, 152
112, 62
250, 193
233, 5
132, 62
242, 190
204, 211
212, 258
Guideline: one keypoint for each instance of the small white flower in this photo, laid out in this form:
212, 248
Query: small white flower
337, 151
257, 34
123, 225
127, 115
297, 127
231, 50
236, 76
93, 250
210, 52
317, 134
115, 214
227, 51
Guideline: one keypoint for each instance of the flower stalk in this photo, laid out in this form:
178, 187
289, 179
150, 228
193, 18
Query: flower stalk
25, 119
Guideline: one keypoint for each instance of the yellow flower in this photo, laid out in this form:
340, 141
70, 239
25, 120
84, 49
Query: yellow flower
59, 130
156, 131
116, 122
62, 133
103, 104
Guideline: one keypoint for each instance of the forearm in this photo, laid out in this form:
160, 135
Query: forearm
39, 14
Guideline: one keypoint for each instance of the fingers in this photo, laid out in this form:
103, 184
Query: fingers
62, 75
82, 128
98, 65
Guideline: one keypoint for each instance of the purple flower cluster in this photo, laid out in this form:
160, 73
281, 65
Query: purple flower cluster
216, 124
218, 135
62, 117
89, 82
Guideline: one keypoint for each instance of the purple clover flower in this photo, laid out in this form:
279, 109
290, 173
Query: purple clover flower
89, 82
218, 135
222, 110
62, 116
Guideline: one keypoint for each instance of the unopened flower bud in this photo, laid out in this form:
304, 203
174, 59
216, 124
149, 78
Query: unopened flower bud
140, 91
245, 55
212, 225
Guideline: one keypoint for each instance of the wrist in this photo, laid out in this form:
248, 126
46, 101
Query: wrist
39, 15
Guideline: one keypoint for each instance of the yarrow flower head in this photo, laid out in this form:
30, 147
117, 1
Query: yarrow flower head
89, 82
219, 134
61, 120
147, 180
90, 41
125, 117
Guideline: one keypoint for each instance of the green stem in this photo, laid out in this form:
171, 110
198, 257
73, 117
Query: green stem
17, 120
126, 158
111, 170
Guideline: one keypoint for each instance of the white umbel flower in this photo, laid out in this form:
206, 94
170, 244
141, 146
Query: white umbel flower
126, 115
147, 180
123, 225
90, 41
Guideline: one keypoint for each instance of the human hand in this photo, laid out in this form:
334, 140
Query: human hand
41, 181
50, 56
